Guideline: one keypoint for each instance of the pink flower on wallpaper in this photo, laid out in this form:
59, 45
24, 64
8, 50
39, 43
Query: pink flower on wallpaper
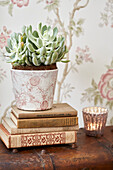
49, 1
82, 54
20, 3
4, 35
3, 40
106, 85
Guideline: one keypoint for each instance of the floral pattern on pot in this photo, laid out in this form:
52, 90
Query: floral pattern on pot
34, 90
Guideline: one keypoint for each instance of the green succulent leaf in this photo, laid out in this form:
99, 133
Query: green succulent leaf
35, 34
27, 61
30, 47
55, 32
54, 57
48, 60
39, 43
9, 43
42, 59
65, 61
8, 49
42, 50
23, 29
44, 28
34, 55
35, 61
39, 27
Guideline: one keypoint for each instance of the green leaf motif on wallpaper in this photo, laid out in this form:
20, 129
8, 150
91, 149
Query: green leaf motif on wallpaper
106, 17
4, 3
9, 4
76, 26
2, 74
110, 66
92, 94
93, 83
109, 104
10, 9
50, 4
67, 89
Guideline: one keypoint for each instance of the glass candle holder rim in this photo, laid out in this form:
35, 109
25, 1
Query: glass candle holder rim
91, 111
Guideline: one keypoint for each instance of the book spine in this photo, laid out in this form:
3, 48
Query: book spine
14, 119
4, 136
46, 122
37, 130
41, 139
6, 126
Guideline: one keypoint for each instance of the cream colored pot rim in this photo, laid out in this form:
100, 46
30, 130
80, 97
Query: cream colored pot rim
15, 70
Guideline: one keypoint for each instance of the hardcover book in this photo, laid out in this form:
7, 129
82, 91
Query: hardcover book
37, 139
58, 110
44, 122
12, 128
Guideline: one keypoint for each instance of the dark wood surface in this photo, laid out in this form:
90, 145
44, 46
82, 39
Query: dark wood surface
91, 153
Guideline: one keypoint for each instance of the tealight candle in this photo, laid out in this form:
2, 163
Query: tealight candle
94, 120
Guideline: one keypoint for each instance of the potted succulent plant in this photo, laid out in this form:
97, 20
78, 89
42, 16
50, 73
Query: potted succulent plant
33, 55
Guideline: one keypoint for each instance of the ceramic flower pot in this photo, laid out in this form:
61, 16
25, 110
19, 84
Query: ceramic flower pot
34, 90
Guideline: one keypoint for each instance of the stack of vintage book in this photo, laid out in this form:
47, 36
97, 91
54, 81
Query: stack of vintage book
58, 125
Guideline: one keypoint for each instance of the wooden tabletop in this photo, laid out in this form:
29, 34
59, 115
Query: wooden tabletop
91, 153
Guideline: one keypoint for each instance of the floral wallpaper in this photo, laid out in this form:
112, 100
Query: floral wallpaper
87, 27
12, 3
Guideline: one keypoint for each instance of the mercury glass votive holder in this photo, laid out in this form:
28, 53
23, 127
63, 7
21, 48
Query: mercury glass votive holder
94, 120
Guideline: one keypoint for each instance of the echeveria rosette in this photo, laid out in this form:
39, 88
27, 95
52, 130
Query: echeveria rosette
40, 47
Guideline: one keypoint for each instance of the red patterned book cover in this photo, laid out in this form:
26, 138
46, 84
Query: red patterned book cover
37, 139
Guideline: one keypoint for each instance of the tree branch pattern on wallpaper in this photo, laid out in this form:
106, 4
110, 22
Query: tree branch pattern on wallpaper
74, 29
12, 3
